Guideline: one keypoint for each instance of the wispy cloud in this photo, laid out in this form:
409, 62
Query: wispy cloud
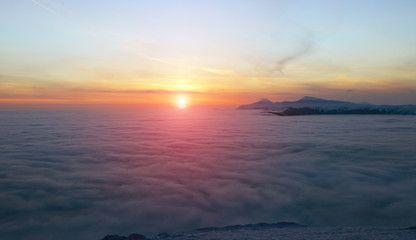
304, 49
127, 39
46, 8
143, 91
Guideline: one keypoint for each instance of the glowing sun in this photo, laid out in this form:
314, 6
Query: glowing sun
181, 102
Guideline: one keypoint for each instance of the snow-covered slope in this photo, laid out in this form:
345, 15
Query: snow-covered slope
281, 231
311, 105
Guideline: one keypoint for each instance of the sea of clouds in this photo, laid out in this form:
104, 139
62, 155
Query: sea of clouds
85, 174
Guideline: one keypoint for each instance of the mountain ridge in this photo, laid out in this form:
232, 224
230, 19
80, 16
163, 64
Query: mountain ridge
309, 105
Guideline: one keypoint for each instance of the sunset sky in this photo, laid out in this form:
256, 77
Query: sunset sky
209, 51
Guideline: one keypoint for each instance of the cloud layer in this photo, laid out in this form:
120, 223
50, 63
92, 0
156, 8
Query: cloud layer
85, 174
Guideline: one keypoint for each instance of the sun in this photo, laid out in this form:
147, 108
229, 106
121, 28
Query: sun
181, 102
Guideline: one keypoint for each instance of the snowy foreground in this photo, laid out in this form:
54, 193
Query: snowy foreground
282, 231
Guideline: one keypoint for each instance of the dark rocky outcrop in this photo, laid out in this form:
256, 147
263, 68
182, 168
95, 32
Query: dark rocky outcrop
317, 111
133, 236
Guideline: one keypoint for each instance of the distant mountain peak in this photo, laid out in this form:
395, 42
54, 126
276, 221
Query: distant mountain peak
265, 100
309, 98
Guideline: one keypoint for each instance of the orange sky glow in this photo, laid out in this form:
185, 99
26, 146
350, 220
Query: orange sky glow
147, 53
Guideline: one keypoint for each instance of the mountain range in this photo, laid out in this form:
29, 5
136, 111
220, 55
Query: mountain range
312, 106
